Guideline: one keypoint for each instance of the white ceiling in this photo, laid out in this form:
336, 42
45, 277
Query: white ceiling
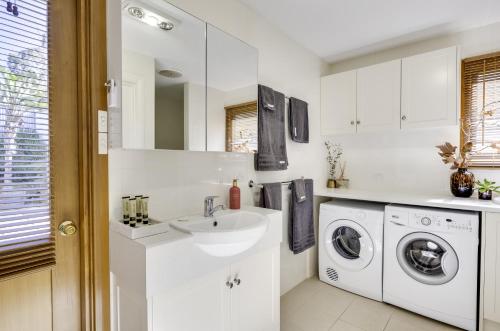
339, 29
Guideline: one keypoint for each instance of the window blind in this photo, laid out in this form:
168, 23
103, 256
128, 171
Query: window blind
26, 231
481, 109
241, 128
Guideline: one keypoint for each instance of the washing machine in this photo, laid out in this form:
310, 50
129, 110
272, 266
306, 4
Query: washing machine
431, 263
350, 246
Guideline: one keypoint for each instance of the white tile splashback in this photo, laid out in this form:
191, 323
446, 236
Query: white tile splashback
176, 181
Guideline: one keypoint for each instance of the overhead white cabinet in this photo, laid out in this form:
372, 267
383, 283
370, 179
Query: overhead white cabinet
338, 103
378, 97
429, 89
415, 92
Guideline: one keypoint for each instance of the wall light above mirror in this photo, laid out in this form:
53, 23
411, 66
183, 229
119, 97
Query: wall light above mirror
186, 85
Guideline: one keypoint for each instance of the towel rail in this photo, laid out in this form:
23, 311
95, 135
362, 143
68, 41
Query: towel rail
251, 183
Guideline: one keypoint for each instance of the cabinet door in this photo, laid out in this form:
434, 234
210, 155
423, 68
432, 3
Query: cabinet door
255, 304
429, 89
492, 267
379, 96
200, 304
338, 103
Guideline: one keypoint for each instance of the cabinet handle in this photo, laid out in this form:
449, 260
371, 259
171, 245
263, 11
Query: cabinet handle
229, 284
403, 117
237, 281
352, 122
358, 122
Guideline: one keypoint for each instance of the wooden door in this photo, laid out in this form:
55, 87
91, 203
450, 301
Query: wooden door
429, 89
50, 298
338, 103
378, 97
255, 297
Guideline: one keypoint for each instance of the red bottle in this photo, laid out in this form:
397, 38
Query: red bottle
234, 196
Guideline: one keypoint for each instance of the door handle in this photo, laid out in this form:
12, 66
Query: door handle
67, 228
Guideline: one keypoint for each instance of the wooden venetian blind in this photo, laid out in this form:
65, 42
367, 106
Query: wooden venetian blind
481, 109
241, 127
26, 231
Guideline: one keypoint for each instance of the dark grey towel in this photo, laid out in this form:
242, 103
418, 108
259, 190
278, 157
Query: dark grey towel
266, 97
270, 196
298, 120
300, 190
271, 149
301, 222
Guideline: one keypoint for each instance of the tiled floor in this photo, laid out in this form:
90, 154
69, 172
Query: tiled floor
316, 306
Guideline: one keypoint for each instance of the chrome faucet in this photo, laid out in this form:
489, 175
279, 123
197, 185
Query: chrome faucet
209, 208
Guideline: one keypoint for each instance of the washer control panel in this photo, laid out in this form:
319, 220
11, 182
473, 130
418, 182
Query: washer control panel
427, 219
438, 222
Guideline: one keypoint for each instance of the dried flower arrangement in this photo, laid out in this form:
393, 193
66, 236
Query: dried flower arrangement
448, 153
334, 152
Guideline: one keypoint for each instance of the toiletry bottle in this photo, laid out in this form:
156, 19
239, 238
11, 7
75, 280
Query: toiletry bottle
145, 209
132, 210
138, 209
234, 196
125, 209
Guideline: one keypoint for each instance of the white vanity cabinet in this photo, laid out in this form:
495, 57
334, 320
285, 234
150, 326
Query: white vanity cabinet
241, 297
168, 282
491, 264
429, 89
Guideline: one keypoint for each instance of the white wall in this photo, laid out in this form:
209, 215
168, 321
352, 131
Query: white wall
169, 118
194, 117
177, 181
409, 160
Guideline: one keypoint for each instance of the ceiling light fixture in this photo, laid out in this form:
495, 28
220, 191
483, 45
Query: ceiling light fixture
136, 12
170, 73
150, 18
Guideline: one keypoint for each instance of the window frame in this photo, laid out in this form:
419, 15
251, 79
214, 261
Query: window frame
464, 112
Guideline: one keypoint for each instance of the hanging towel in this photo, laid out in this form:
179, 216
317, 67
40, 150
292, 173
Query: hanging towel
300, 190
270, 196
266, 97
271, 149
301, 222
298, 120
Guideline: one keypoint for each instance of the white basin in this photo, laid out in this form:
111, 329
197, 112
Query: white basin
227, 233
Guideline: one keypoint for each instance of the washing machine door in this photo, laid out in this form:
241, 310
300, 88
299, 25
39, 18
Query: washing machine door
349, 245
427, 258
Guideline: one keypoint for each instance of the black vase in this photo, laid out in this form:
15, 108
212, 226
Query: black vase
462, 183
486, 195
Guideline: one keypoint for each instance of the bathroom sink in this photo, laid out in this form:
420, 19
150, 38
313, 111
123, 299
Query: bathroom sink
227, 233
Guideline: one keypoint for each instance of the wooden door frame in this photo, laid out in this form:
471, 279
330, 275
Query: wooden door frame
93, 172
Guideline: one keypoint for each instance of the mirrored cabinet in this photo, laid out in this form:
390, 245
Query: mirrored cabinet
186, 85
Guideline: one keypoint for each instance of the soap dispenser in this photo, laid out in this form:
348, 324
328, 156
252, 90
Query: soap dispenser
234, 196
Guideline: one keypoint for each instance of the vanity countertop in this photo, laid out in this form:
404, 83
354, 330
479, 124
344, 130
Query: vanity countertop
407, 198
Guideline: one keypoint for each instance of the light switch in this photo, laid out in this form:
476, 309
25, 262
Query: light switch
103, 143
102, 121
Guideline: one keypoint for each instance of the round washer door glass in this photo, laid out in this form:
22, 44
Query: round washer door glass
348, 244
427, 258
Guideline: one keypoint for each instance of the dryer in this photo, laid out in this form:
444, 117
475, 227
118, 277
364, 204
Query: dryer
350, 246
431, 262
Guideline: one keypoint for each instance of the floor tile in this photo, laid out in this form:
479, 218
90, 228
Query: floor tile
405, 320
367, 314
343, 326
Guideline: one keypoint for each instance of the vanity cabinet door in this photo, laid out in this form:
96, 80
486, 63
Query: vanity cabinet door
429, 89
338, 103
255, 301
379, 97
200, 304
